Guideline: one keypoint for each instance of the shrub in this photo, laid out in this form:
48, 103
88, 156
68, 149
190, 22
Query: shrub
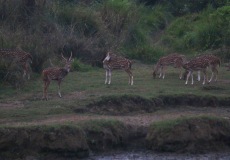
11, 73
77, 65
207, 30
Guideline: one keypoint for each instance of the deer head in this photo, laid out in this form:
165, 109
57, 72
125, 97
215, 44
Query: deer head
107, 58
67, 62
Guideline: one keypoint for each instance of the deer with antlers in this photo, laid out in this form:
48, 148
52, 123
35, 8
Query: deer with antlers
22, 58
112, 61
57, 74
172, 59
214, 62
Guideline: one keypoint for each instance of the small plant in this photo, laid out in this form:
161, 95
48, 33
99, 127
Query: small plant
77, 65
11, 73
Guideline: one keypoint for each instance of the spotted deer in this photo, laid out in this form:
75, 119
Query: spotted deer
172, 59
112, 62
20, 57
57, 74
214, 62
196, 64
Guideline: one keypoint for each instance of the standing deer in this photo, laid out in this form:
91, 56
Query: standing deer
214, 61
196, 64
113, 61
20, 57
57, 74
171, 59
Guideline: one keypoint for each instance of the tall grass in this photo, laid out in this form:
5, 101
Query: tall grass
89, 29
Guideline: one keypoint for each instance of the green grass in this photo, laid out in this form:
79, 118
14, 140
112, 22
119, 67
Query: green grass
82, 88
167, 125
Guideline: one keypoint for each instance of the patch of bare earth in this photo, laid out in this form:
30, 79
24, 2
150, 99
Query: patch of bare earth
11, 104
143, 119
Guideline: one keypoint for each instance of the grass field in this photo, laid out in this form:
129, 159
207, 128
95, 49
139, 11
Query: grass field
81, 88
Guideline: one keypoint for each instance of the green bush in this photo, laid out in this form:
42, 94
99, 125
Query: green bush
199, 32
81, 19
221, 19
77, 65
146, 53
11, 73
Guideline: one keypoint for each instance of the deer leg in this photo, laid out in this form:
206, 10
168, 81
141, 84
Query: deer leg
211, 78
59, 88
28, 75
180, 76
216, 71
46, 85
130, 77
106, 75
204, 77
44, 90
110, 74
160, 72
24, 70
131, 80
27, 71
163, 70
24, 73
192, 78
188, 75
198, 75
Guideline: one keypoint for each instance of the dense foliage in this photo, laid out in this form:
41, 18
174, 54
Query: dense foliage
138, 29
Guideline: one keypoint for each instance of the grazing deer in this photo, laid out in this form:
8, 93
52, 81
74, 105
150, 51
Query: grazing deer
172, 59
214, 61
196, 64
20, 57
113, 61
57, 74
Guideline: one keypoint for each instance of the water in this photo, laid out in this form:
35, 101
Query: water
147, 155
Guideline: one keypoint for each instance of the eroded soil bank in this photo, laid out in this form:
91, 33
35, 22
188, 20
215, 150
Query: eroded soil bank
122, 105
68, 140
189, 135
199, 134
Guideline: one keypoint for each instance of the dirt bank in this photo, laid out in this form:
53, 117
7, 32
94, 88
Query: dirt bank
66, 140
122, 122
123, 105
190, 135
193, 135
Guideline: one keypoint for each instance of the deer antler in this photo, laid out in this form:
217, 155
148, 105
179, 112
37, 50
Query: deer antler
63, 57
51, 63
70, 58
